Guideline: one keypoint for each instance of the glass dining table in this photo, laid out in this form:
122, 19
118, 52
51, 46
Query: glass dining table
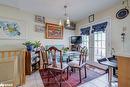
71, 55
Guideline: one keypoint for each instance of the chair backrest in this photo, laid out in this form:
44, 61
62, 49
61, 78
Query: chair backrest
52, 54
83, 55
43, 55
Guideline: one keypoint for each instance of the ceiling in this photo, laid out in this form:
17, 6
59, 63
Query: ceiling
77, 9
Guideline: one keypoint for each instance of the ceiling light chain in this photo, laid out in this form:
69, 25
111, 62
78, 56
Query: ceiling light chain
67, 19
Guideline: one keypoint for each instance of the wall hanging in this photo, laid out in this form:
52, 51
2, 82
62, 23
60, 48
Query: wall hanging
39, 24
122, 13
91, 18
54, 31
12, 29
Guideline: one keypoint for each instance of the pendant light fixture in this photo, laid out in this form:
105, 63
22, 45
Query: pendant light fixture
67, 19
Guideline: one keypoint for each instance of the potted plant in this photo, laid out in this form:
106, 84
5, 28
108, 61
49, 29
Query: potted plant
36, 44
29, 45
65, 49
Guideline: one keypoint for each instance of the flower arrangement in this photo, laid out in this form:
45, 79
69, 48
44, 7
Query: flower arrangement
31, 45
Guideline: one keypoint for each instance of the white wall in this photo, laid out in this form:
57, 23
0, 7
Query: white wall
116, 28
28, 19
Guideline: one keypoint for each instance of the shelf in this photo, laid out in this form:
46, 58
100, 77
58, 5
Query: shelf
32, 62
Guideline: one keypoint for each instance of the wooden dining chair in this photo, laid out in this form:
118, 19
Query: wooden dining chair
44, 58
81, 62
52, 55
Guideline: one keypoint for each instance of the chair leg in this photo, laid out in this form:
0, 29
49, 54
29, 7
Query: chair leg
80, 74
67, 72
85, 71
61, 78
48, 77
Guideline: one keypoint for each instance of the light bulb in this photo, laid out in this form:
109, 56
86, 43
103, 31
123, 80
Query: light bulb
68, 21
60, 24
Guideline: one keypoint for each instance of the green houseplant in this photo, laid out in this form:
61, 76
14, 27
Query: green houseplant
36, 44
65, 49
29, 45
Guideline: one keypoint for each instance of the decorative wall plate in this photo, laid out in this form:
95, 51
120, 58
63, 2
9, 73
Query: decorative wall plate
122, 13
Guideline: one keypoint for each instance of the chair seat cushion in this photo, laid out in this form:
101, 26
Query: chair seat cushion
64, 66
75, 63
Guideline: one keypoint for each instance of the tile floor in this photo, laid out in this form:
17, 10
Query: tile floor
35, 80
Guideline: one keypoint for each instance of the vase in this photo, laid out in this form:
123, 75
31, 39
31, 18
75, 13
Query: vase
29, 47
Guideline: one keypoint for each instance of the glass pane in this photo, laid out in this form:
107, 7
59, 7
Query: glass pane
99, 52
99, 36
99, 44
95, 51
95, 44
87, 38
103, 53
95, 36
103, 36
103, 44
87, 45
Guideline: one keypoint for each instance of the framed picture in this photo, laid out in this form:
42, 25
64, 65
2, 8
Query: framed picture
12, 29
91, 18
54, 31
71, 27
39, 19
39, 28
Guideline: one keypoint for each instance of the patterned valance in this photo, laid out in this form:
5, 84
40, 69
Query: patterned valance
85, 31
99, 27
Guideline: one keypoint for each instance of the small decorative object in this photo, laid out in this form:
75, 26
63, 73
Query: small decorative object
91, 18
122, 13
54, 31
29, 45
72, 25
123, 34
39, 19
39, 28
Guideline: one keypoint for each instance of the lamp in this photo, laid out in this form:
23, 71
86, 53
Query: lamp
67, 20
66, 15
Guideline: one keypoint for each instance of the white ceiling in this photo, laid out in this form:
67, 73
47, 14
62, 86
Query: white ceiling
77, 9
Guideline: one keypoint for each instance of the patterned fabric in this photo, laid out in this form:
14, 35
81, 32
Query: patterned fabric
9, 55
99, 27
85, 31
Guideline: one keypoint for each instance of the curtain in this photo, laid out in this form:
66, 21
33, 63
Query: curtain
99, 27
85, 31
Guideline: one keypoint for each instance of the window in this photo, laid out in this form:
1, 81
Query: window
97, 40
99, 45
85, 42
